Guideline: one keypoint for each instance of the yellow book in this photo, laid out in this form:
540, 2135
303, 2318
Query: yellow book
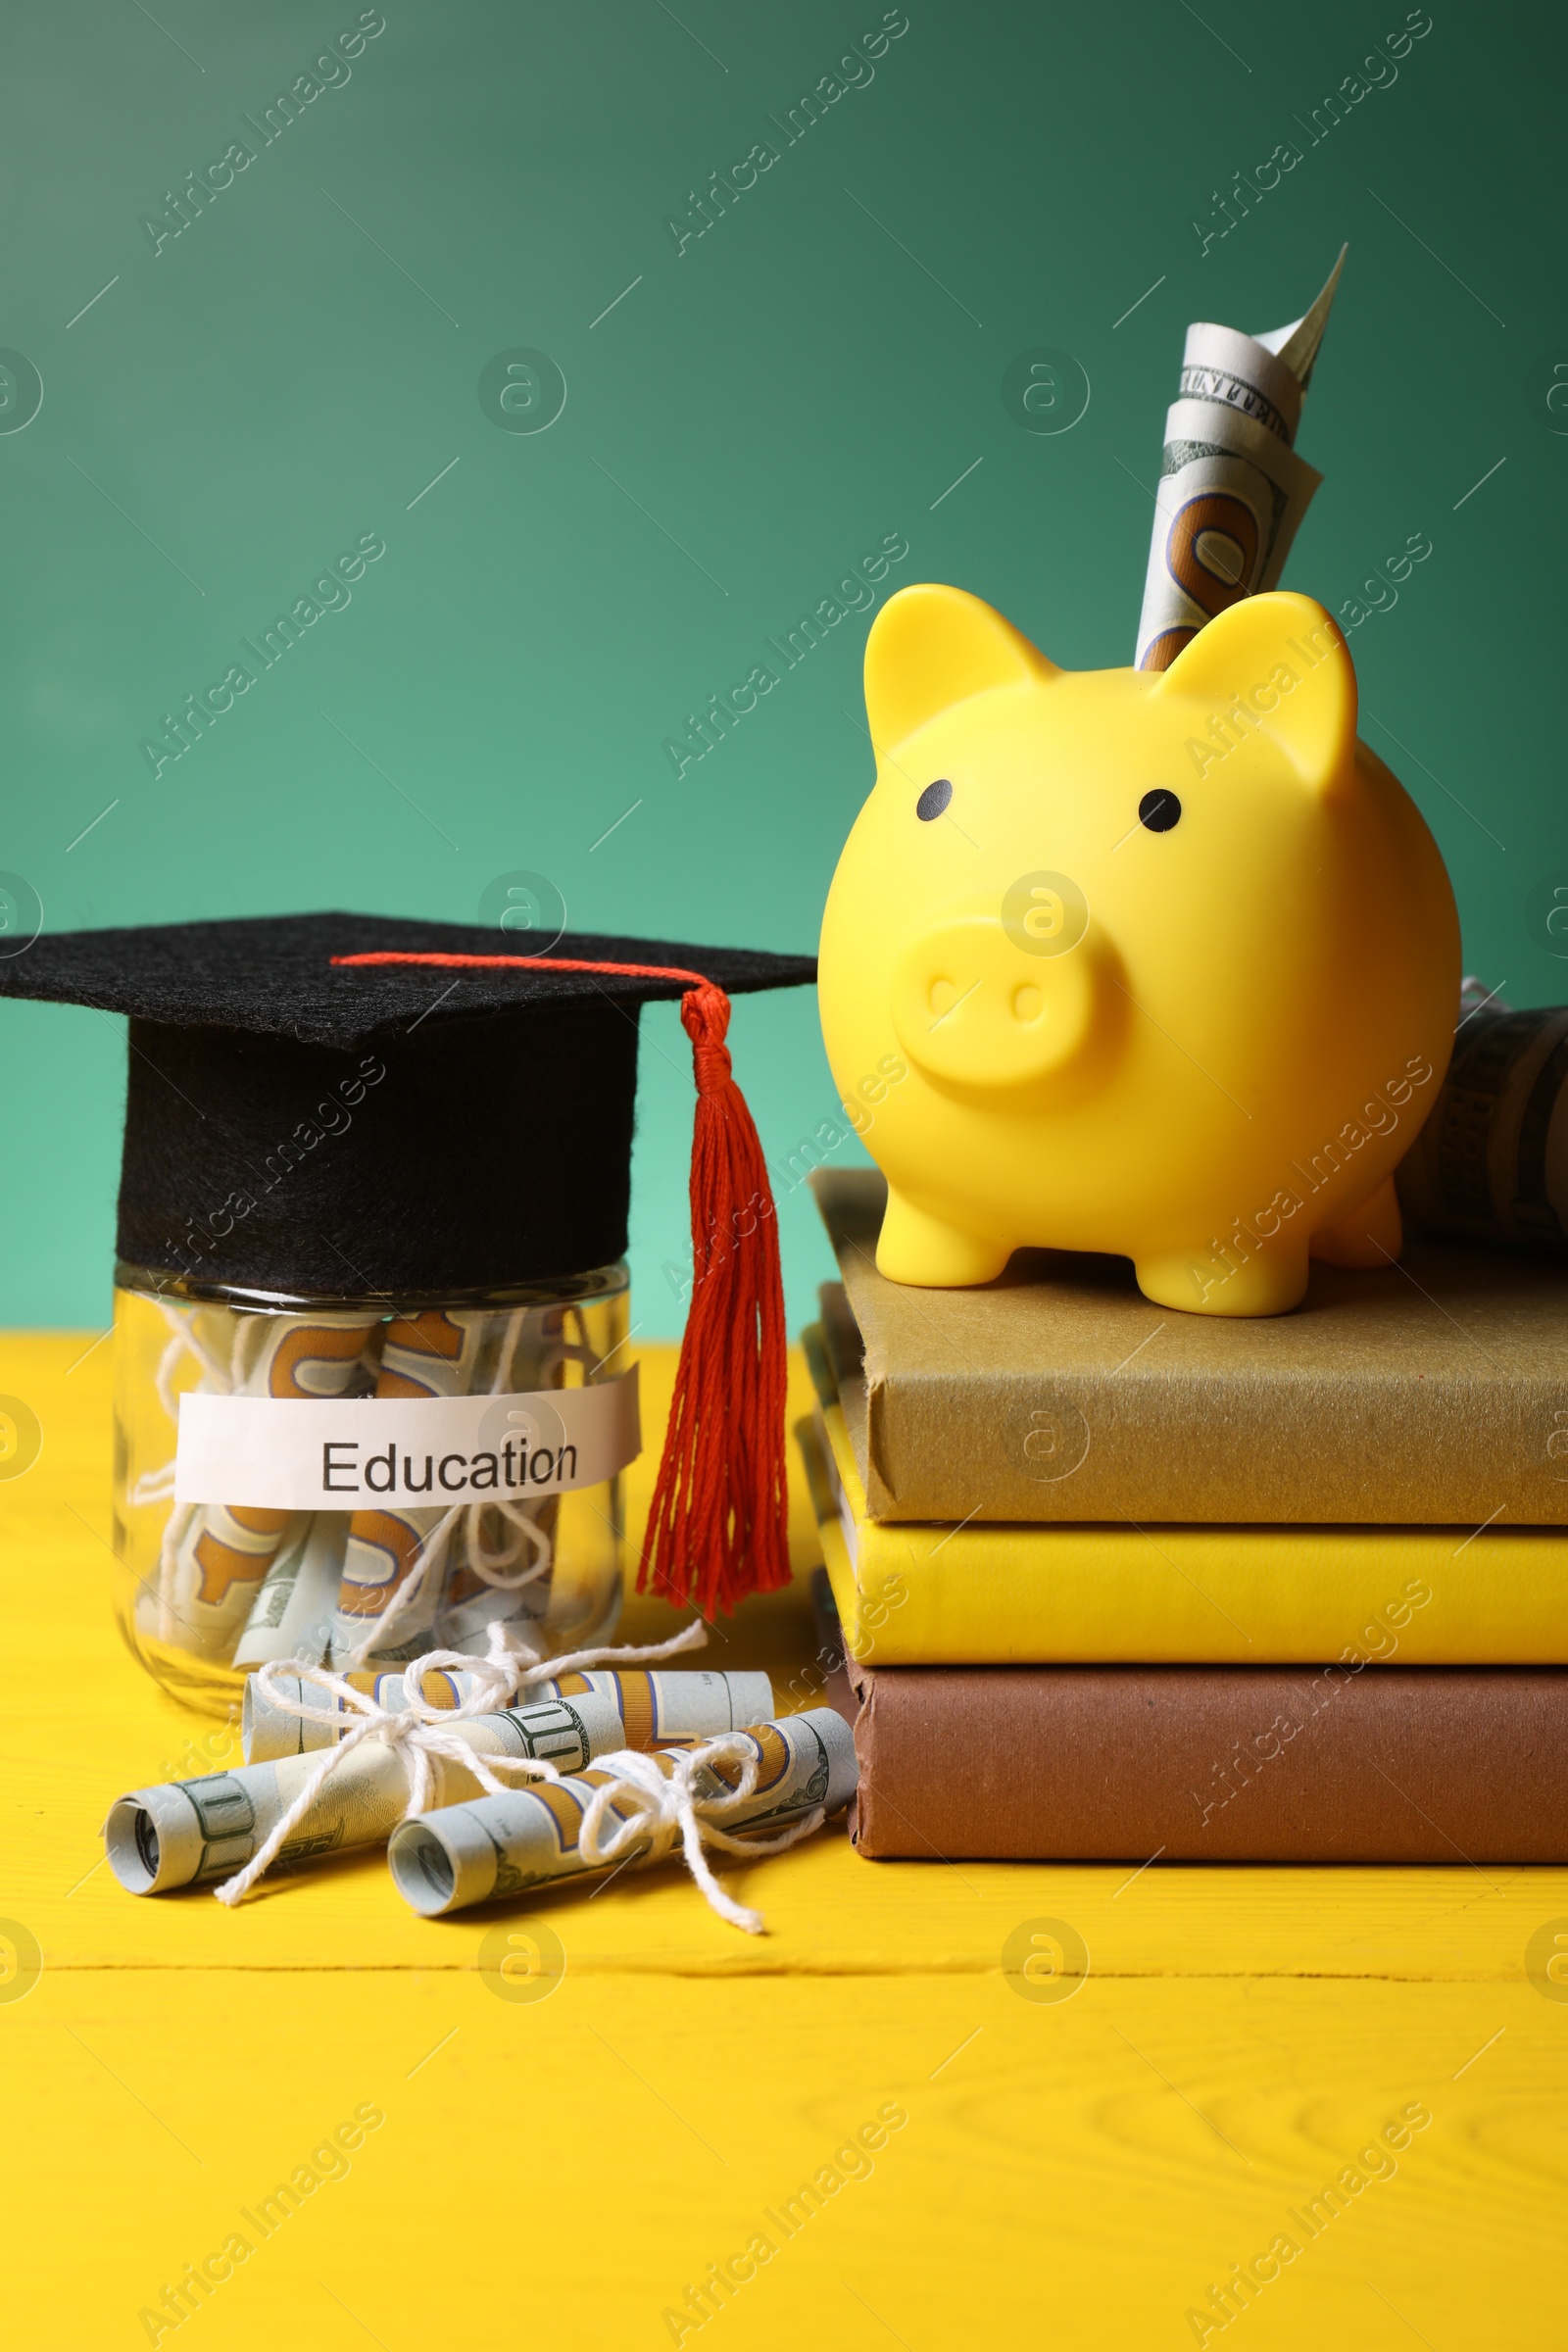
917, 1594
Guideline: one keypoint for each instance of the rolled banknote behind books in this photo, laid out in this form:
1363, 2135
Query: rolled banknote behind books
1232, 490
186, 1832
651, 1707
503, 1845
1491, 1164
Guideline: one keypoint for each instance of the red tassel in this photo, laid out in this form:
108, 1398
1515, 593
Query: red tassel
720, 1524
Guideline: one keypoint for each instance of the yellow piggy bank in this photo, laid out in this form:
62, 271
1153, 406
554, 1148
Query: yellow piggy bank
1164, 964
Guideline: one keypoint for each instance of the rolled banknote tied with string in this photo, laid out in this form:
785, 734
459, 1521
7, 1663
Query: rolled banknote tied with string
282, 1716
783, 1778
188, 1832
1232, 489
653, 1707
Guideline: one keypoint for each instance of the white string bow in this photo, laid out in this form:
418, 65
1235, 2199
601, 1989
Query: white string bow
664, 1806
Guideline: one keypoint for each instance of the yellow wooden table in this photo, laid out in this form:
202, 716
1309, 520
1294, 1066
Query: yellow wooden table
913, 2152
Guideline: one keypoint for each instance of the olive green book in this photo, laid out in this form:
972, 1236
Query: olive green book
1432, 1393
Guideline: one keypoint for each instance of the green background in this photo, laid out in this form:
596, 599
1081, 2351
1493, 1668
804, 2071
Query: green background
756, 413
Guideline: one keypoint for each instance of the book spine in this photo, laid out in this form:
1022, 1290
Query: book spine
1213, 1765
1467, 1443
1183, 1595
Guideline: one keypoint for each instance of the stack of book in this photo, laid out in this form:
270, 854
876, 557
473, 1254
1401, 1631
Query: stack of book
1115, 1582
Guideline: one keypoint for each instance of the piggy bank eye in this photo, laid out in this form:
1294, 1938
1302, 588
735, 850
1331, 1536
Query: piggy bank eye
933, 799
1160, 810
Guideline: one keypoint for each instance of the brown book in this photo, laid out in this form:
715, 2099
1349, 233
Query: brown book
1433, 1393
1462, 1764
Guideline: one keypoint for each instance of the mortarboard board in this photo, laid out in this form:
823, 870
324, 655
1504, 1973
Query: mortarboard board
330, 1104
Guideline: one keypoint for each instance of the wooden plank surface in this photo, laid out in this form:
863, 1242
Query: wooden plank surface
1076, 2172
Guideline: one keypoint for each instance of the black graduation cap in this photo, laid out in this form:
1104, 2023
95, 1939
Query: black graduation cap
350, 1104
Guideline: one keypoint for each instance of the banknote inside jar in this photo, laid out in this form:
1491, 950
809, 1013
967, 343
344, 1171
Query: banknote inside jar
209, 1591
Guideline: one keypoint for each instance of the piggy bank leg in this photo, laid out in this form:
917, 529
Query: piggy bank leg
921, 1248
1211, 1281
1370, 1236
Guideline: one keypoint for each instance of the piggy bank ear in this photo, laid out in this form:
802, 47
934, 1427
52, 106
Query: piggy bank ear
932, 646
1283, 659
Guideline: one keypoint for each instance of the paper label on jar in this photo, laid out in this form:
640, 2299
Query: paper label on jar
353, 1453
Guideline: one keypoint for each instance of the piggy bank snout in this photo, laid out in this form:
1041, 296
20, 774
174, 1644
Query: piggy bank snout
973, 1007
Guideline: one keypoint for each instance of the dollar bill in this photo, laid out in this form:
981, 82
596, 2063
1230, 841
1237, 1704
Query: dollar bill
563, 1602
433, 1355
503, 1845
1232, 489
684, 1703
291, 1616
188, 1832
416, 1568
651, 1706
217, 1555
1491, 1164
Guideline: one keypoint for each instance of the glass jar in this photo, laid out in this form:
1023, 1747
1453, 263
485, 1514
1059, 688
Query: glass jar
208, 1590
